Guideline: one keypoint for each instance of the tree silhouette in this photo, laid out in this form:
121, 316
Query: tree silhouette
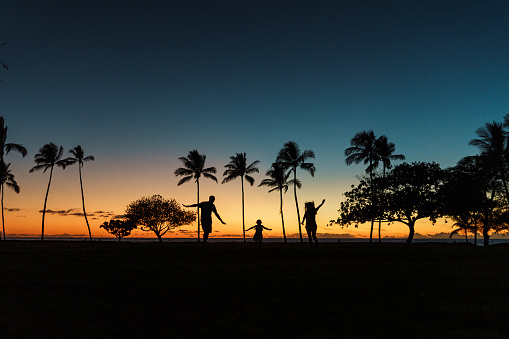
79, 158
384, 152
193, 168
492, 143
119, 228
363, 150
278, 182
49, 155
291, 158
158, 215
5, 148
237, 167
7, 179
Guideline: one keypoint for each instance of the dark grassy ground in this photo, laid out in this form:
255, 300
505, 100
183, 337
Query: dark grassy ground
171, 290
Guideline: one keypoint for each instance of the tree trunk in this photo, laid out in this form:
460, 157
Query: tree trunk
243, 223
3, 223
83, 202
119, 238
198, 207
282, 217
486, 236
45, 201
411, 226
296, 202
372, 201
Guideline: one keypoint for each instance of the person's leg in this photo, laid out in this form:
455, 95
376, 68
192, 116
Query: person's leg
310, 237
315, 238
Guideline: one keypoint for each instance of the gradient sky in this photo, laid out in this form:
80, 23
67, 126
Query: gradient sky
140, 83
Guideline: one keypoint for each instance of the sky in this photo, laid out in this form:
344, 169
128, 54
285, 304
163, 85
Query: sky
139, 84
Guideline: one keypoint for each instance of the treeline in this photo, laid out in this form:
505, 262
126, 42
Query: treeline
473, 194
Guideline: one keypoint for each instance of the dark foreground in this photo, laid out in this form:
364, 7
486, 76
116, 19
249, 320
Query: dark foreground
172, 290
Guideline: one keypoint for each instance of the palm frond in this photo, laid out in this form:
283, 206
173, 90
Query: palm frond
184, 180
249, 179
210, 176
15, 147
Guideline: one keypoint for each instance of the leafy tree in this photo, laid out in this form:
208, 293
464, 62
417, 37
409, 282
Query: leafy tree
158, 215
193, 168
80, 158
6, 179
291, 158
49, 155
413, 193
278, 181
363, 149
237, 167
119, 228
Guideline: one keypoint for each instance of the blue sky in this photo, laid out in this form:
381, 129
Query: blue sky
140, 83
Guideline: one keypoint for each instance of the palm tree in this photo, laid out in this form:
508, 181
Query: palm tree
79, 157
237, 167
363, 149
384, 152
278, 182
492, 141
7, 178
193, 168
49, 155
5, 148
292, 158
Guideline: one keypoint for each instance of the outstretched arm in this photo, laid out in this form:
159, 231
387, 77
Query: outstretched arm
320, 205
268, 229
303, 218
217, 215
250, 228
193, 205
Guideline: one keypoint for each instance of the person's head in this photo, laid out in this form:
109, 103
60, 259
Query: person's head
258, 222
309, 205
212, 198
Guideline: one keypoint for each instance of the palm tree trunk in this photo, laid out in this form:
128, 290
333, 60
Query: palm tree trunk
243, 224
3, 224
372, 202
282, 217
296, 202
198, 207
45, 201
83, 202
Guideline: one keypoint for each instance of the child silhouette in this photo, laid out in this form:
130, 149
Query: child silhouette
258, 236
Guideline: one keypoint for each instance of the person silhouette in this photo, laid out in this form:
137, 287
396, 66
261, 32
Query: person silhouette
207, 207
310, 218
258, 236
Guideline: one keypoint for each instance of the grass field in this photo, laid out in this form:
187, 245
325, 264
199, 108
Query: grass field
179, 290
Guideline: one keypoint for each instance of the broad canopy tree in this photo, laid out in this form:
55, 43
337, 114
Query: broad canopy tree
119, 228
158, 215
412, 192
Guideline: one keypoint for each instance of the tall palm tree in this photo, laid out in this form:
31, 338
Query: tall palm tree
278, 182
384, 152
237, 167
49, 155
5, 148
492, 142
7, 178
80, 158
193, 168
291, 158
363, 150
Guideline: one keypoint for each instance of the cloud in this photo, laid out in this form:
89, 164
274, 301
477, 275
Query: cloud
76, 212
12, 209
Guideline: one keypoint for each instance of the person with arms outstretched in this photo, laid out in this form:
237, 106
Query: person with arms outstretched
258, 237
310, 218
207, 207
